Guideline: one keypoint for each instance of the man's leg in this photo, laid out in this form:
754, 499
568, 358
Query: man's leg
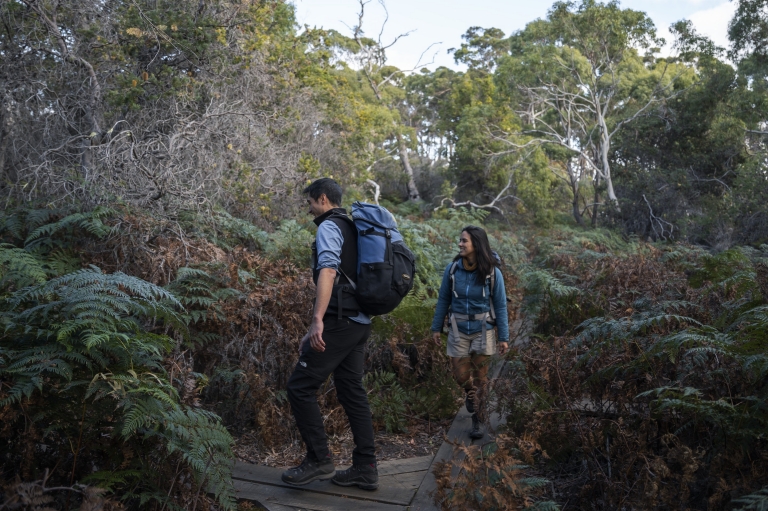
311, 371
302, 394
348, 378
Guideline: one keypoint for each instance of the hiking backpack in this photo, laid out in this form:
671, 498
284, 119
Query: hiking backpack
385, 265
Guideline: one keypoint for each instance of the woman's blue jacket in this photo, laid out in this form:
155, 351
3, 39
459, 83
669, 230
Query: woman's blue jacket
471, 301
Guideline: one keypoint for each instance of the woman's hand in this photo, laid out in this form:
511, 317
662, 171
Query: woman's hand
436, 338
503, 348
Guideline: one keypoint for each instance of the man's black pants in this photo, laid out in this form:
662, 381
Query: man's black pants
344, 357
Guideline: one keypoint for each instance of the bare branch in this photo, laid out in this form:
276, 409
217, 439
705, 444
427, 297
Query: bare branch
665, 229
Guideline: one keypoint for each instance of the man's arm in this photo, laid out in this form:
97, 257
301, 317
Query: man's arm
322, 298
329, 242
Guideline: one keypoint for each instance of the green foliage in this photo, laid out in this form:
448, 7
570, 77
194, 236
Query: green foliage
387, 399
202, 295
236, 231
436, 397
90, 222
79, 355
291, 242
41, 243
757, 501
543, 289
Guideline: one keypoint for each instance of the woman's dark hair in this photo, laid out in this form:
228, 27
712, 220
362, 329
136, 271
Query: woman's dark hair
327, 186
486, 260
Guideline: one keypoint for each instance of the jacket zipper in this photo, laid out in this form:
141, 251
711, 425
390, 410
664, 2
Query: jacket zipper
466, 276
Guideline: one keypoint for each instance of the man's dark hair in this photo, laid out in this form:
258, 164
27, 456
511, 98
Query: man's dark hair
327, 186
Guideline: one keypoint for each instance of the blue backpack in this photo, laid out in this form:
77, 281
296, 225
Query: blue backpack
385, 265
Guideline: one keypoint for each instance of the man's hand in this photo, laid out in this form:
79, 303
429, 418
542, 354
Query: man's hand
436, 338
315, 335
503, 348
304, 341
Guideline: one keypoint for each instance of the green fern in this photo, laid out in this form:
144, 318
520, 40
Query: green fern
80, 340
202, 295
291, 242
20, 268
541, 287
387, 399
231, 231
757, 501
90, 222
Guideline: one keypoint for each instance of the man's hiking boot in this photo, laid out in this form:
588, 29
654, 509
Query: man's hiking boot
309, 471
364, 476
476, 432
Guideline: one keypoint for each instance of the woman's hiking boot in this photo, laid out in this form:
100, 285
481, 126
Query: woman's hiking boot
469, 400
364, 476
309, 471
476, 432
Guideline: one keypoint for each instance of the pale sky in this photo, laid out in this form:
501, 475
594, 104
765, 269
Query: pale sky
444, 21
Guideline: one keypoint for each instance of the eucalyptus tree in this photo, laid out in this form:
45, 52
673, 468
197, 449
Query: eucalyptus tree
386, 83
453, 109
578, 78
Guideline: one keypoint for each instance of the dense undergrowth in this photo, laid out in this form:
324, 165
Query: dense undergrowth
134, 352
644, 383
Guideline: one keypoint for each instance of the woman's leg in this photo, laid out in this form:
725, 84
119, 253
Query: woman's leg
462, 370
479, 365
462, 374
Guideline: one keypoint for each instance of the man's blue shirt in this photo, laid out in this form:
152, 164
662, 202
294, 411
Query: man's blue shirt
328, 242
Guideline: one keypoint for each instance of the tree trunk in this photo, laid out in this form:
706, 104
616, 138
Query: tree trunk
605, 146
5, 132
573, 178
576, 212
597, 201
413, 191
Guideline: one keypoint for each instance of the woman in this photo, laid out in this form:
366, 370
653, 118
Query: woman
472, 295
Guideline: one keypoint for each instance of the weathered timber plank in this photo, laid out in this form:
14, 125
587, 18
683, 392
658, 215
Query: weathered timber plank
404, 466
459, 432
277, 498
393, 489
280, 507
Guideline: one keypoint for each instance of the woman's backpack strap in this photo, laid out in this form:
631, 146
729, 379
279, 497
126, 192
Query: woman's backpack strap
452, 274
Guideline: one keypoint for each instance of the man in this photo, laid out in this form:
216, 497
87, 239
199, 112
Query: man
334, 344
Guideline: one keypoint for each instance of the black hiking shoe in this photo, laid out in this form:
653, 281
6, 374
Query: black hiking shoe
365, 477
309, 471
476, 432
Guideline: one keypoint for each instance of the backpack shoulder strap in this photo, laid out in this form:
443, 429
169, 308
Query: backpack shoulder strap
452, 272
492, 278
340, 216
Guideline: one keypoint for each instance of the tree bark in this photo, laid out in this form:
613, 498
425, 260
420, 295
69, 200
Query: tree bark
4, 135
605, 146
597, 201
413, 191
572, 177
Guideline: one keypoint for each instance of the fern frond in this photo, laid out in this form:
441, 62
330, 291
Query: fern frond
91, 222
19, 268
757, 501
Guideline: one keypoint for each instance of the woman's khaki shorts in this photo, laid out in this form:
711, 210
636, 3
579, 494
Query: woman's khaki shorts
469, 344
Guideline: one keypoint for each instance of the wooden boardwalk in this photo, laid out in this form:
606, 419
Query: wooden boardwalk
404, 485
